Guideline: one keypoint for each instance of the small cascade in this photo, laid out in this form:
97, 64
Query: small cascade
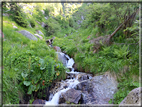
70, 63
55, 98
70, 83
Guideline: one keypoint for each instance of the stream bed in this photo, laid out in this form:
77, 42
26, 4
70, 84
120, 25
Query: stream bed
81, 88
68, 83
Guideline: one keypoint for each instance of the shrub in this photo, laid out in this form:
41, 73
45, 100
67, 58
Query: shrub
52, 26
71, 22
46, 12
32, 22
19, 18
30, 71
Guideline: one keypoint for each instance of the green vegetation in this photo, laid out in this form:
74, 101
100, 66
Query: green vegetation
32, 66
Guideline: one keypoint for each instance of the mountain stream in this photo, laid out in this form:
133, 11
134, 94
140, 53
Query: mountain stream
71, 83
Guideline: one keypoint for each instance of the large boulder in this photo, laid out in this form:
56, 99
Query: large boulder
98, 90
27, 34
134, 97
62, 58
72, 96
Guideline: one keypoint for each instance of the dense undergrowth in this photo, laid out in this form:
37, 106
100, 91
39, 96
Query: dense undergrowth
31, 66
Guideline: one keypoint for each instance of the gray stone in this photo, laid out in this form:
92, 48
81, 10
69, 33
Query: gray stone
84, 76
39, 32
98, 90
62, 58
46, 17
27, 34
38, 36
43, 24
5, 14
82, 17
72, 95
134, 97
30, 26
39, 101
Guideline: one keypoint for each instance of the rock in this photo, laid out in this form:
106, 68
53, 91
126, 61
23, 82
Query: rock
66, 35
39, 101
61, 100
5, 14
39, 32
38, 22
71, 75
134, 97
30, 26
79, 22
72, 95
27, 34
82, 17
98, 90
46, 17
50, 41
62, 58
38, 36
15, 27
75, 67
43, 24
84, 76
58, 49
43, 12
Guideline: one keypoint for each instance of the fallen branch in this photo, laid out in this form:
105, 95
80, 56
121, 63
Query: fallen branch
106, 40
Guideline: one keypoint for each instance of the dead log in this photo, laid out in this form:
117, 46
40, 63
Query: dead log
106, 40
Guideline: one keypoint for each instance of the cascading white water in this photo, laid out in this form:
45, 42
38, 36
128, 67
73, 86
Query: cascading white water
70, 63
72, 82
55, 98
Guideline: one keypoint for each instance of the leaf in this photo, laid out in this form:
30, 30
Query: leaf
136, 84
16, 69
27, 83
31, 88
38, 75
42, 64
37, 86
24, 75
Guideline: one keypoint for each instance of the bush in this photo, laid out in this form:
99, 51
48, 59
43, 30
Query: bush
46, 12
71, 22
19, 18
62, 21
32, 22
52, 27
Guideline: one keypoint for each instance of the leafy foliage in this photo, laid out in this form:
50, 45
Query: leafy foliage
32, 66
32, 22
52, 26
18, 15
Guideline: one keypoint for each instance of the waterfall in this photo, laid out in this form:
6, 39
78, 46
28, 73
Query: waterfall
72, 82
